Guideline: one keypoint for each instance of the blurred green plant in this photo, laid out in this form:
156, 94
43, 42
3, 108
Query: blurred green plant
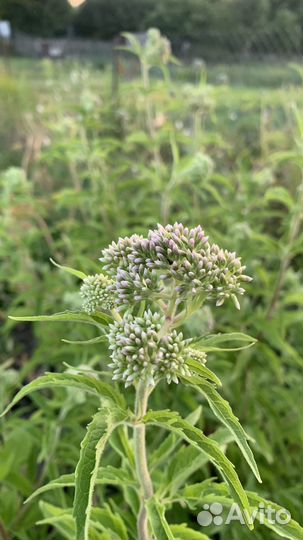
98, 168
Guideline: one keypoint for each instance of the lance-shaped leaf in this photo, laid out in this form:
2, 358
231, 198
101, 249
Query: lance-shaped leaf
284, 526
73, 271
210, 491
203, 371
106, 475
216, 342
62, 380
170, 443
224, 413
173, 422
156, 516
93, 341
92, 446
98, 318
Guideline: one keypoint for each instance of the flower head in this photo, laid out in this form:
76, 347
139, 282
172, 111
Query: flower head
195, 354
138, 350
98, 293
174, 257
116, 254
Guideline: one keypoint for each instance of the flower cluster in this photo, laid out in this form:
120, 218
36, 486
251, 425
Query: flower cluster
176, 258
197, 355
139, 350
98, 292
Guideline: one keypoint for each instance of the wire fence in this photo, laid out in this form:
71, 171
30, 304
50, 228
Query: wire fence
216, 47
243, 45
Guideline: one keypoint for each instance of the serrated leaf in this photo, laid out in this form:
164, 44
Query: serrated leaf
70, 270
224, 413
173, 422
92, 446
84, 382
156, 516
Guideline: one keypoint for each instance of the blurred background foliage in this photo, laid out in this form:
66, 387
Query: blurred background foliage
274, 24
88, 157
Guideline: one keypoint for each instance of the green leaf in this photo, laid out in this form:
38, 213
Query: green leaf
156, 516
188, 459
68, 316
209, 491
59, 518
70, 270
106, 520
224, 413
182, 532
65, 480
291, 530
92, 446
202, 370
279, 194
209, 343
173, 422
170, 443
106, 475
84, 382
93, 341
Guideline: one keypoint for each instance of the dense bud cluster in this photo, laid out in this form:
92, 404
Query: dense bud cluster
98, 293
177, 257
138, 350
195, 354
179, 269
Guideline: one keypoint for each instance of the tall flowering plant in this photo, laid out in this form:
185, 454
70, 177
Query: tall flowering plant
148, 287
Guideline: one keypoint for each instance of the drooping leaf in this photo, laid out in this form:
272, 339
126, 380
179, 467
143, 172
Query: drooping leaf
210, 491
224, 413
173, 422
65, 480
83, 382
106, 475
291, 530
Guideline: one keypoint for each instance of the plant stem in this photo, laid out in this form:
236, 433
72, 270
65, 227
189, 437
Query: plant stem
143, 391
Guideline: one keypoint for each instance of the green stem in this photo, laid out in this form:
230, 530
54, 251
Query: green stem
143, 391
